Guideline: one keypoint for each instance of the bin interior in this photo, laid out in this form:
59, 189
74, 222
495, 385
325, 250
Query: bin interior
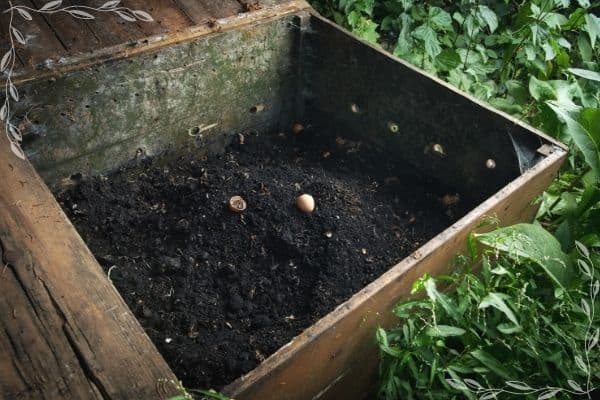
196, 97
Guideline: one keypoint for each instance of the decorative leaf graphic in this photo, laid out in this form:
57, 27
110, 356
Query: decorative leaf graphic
126, 16
52, 5
81, 14
6, 58
18, 35
109, 4
16, 149
143, 15
13, 92
24, 13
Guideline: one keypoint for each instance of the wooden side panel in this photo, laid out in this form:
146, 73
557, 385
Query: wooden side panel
93, 120
66, 332
336, 358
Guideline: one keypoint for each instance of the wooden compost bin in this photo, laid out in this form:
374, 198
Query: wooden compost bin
66, 331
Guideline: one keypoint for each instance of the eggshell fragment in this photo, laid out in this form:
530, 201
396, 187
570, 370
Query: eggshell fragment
305, 203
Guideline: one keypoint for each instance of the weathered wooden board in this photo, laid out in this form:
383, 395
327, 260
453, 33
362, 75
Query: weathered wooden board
66, 332
54, 38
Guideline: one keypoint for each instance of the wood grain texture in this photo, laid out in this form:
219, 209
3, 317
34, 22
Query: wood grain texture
110, 29
74, 34
167, 16
66, 332
59, 36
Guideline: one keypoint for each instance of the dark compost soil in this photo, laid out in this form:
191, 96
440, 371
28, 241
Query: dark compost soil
218, 292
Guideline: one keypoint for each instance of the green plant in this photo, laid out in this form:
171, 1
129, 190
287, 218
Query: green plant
525, 326
537, 60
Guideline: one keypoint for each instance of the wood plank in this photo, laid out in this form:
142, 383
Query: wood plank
109, 28
98, 56
66, 332
168, 16
42, 43
74, 34
202, 11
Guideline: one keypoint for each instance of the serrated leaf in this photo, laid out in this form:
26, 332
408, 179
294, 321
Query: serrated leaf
592, 27
440, 18
430, 40
447, 60
143, 15
13, 92
585, 73
24, 13
444, 331
16, 149
541, 90
18, 35
6, 58
489, 17
126, 16
109, 4
80, 14
52, 5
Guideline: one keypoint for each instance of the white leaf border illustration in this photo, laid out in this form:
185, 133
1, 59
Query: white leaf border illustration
7, 61
591, 341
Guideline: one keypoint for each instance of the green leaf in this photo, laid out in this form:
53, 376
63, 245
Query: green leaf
429, 38
444, 331
489, 17
447, 60
534, 243
592, 27
506, 105
490, 362
405, 42
441, 299
585, 73
440, 19
496, 300
583, 138
541, 90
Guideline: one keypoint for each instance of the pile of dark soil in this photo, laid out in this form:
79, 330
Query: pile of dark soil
218, 292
